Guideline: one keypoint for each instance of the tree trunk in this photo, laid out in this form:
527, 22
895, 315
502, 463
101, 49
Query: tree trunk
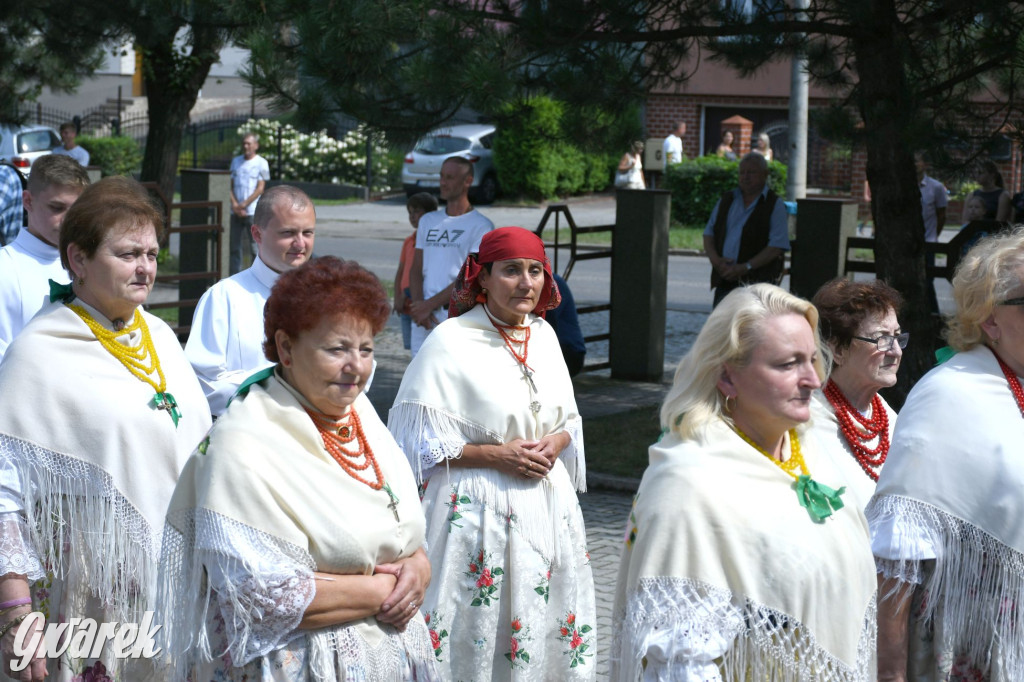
173, 81
895, 197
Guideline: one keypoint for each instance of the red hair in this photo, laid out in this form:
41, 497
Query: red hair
322, 287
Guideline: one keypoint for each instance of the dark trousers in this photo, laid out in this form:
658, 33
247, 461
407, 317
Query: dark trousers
723, 289
240, 242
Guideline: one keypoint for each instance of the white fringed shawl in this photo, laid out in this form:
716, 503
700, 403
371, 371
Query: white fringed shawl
955, 479
719, 549
97, 462
261, 506
463, 387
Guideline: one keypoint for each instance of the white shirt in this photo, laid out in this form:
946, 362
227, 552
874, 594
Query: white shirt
78, 153
225, 345
245, 175
672, 149
26, 267
446, 241
933, 196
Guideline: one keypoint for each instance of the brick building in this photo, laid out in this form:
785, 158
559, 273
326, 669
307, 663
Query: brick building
714, 96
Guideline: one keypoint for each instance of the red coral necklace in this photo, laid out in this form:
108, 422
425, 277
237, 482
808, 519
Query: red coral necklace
1013, 381
877, 426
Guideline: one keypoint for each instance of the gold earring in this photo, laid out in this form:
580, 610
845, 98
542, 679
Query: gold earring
728, 408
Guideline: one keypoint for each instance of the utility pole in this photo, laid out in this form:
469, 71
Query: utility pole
796, 179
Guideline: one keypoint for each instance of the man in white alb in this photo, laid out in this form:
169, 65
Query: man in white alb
225, 345
249, 175
29, 262
443, 241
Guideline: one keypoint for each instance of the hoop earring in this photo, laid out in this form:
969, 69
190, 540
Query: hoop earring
728, 407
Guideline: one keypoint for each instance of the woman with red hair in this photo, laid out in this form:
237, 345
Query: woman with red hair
293, 544
487, 416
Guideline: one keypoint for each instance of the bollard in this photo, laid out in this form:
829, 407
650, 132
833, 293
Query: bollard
819, 250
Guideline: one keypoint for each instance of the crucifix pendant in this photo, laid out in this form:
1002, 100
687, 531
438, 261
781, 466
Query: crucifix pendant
166, 401
528, 375
393, 504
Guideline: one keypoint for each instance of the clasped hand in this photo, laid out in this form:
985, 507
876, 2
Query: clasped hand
531, 458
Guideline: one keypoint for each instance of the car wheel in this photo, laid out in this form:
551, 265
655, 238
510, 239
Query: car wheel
487, 191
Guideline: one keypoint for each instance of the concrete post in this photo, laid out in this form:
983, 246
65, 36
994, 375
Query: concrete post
639, 282
197, 250
796, 178
819, 251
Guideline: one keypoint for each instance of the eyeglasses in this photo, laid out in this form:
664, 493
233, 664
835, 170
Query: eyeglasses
885, 342
1013, 301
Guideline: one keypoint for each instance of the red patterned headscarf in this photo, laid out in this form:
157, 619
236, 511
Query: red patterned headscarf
503, 243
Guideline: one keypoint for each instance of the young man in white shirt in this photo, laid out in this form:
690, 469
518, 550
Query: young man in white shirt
672, 146
68, 147
443, 241
29, 262
249, 175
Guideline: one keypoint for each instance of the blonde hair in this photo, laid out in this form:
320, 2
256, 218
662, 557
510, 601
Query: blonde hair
986, 275
728, 337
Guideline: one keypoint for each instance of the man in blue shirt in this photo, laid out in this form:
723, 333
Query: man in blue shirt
748, 232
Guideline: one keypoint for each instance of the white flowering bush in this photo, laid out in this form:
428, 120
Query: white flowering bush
318, 157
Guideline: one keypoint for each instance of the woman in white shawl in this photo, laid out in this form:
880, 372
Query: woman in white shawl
946, 516
853, 422
741, 563
486, 414
99, 410
293, 548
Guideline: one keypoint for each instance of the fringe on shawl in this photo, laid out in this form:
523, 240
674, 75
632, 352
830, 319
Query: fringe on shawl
977, 586
186, 601
69, 502
763, 644
410, 422
186, 604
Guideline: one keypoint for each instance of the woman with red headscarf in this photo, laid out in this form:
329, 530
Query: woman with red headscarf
486, 414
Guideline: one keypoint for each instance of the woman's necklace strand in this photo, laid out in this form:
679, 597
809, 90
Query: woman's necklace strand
877, 426
796, 458
336, 435
1014, 382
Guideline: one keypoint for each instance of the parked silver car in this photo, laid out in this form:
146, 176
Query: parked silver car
421, 171
22, 145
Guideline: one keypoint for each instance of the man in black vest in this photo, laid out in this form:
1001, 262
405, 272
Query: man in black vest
748, 232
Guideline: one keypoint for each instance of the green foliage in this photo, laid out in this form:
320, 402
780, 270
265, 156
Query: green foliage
115, 155
696, 184
534, 158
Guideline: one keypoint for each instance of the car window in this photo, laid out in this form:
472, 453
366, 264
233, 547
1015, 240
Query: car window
487, 140
36, 141
442, 144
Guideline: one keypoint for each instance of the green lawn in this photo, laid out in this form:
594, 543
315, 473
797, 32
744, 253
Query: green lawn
618, 444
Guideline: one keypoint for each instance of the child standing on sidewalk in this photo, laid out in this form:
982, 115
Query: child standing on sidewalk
417, 206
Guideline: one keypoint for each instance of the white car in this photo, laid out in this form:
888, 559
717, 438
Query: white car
421, 171
21, 145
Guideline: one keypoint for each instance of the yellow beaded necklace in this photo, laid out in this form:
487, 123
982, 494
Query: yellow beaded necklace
796, 458
141, 360
818, 499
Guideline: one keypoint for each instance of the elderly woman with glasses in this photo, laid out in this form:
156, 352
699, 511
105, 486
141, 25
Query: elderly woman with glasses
946, 516
860, 329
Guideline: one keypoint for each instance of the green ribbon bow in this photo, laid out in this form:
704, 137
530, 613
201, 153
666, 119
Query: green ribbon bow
61, 292
819, 500
166, 401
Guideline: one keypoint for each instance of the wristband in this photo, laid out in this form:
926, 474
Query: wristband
21, 601
749, 266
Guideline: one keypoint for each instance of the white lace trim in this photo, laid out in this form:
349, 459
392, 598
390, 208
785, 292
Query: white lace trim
340, 654
430, 436
978, 582
66, 497
17, 555
263, 586
761, 643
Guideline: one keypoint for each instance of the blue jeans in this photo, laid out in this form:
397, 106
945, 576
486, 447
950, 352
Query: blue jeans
406, 325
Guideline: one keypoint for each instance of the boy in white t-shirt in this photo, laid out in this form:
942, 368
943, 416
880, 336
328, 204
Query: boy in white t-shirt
443, 241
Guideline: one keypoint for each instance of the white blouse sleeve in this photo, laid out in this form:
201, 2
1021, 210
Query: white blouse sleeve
17, 552
261, 592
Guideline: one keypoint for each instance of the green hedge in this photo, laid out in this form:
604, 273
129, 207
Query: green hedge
115, 155
697, 184
534, 160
